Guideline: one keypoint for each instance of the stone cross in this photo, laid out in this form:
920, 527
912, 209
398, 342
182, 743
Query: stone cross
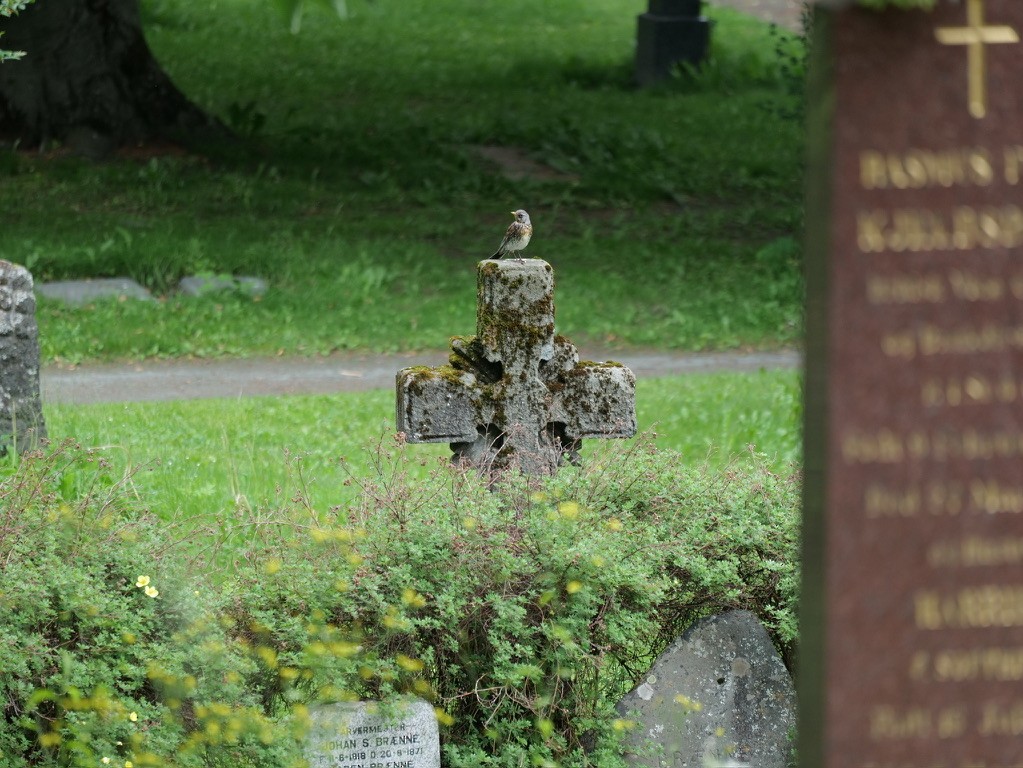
515, 395
911, 633
975, 35
21, 412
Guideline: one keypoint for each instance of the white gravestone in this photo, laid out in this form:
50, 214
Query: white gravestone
370, 735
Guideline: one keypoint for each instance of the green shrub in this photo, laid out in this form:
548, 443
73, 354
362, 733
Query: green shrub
110, 656
522, 611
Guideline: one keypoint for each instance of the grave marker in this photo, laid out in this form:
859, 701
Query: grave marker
515, 394
912, 625
720, 694
366, 735
21, 411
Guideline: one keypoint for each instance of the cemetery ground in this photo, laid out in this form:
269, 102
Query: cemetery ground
179, 590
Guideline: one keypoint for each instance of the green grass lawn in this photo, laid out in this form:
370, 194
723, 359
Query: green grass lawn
207, 458
351, 186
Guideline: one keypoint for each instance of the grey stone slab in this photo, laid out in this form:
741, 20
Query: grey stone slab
370, 735
84, 291
720, 695
21, 413
200, 285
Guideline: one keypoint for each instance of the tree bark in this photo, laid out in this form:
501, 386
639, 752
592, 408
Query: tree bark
90, 81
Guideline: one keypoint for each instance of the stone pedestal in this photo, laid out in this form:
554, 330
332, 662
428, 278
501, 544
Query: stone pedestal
669, 33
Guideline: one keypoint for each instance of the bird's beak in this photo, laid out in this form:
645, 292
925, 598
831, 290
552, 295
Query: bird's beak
512, 212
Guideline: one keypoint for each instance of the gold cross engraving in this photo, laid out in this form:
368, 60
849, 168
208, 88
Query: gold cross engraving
975, 36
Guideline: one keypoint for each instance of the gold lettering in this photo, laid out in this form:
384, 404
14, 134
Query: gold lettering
945, 499
932, 340
899, 344
884, 446
923, 168
979, 552
872, 170
982, 171
964, 228
971, 389
915, 230
888, 723
905, 289
951, 722
970, 287
870, 231
999, 719
919, 665
975, 607
886, 502
927, 609
992, 665
1013, 163
994, 498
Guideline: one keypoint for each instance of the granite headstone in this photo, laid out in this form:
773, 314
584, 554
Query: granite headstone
719, 695
370, 735
21, 412
912, 604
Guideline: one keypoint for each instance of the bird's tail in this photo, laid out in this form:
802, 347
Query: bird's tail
497, 255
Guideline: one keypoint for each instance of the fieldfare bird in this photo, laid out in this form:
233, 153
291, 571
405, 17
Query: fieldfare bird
517, 236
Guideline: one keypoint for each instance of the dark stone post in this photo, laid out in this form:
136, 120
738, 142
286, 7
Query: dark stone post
670, 32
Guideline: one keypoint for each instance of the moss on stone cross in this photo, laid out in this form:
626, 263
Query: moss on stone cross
515, 394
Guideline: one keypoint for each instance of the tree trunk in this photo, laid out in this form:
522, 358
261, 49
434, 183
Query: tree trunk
90, 81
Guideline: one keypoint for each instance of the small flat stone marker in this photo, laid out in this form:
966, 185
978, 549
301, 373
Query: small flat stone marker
367, 735
719, 695
202, 285
515, 394
21, 412
911, 627
78, 292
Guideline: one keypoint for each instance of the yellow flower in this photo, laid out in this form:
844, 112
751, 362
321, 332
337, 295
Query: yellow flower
443, 717
573, 586
129, 764
412, 599
152, 592
615, 524
143, 581
569, 510
408, 663
134, 717
105, 761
